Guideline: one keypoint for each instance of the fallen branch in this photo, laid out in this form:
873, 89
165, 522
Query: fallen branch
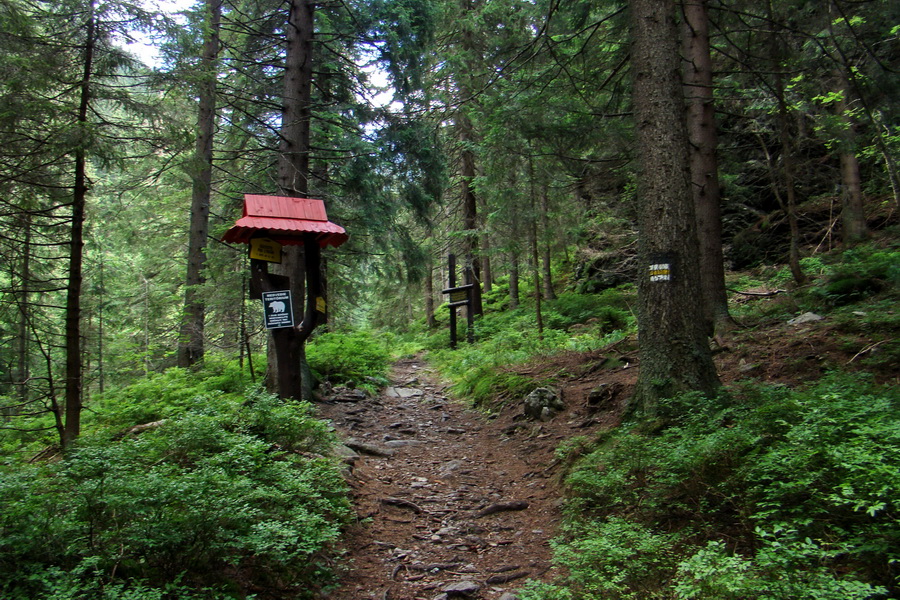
502, 507
506, 577
758, 294
401, 503
868, 348
139, 429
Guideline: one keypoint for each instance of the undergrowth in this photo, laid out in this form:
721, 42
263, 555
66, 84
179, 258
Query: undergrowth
222, 489
572, 322
764, 493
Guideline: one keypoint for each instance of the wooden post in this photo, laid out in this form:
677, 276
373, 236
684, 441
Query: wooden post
469, 279
451, 283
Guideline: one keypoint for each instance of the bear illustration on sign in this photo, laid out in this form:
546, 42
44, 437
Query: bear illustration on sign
277, 306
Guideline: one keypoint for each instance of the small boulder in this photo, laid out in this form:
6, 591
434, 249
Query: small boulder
461, 589
543, 404
807, 317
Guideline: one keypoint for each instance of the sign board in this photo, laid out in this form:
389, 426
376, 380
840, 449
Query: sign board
320, 304
278, 309
265, 249
660, 272
459, 296
662, 267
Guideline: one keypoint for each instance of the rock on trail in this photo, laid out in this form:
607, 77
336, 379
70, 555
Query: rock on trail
447, 504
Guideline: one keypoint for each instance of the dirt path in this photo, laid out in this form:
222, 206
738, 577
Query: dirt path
449, 502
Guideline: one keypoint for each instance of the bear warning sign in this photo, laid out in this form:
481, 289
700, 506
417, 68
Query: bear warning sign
278, 309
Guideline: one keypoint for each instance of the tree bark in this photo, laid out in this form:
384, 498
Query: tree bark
701, 124
22, 371
430, 321
853, 214
674, 353
470, 213
74, 371
287, 350
546, 266
190, 345
513, 279
467, 168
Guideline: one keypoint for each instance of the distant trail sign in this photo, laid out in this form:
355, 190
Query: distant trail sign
459, 296
278, 309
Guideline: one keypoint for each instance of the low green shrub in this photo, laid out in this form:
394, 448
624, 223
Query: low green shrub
229, 491
355, 359
804, 482
160, 395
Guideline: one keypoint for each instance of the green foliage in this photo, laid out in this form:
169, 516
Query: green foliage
804, 481
617, 559
573, 322
860, 273
160, 395
229, 489
356, 359
790, 569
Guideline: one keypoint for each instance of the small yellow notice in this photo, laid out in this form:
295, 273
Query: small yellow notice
320, 304
265, 249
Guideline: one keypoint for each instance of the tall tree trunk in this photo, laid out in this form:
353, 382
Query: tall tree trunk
536, 275
190, 344
487, 273
789, 201
74, 371
293, 180
701, 124
535, 258
468, 170
430, 321
22, 371
546, 266
513, 279
470, 214
293, 163
853, 214
674, 353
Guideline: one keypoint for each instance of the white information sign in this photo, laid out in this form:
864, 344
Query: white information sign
278, 309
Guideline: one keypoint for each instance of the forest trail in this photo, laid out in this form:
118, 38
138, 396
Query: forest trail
449, 502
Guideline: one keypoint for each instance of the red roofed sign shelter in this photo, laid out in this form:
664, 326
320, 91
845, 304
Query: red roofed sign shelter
287, 221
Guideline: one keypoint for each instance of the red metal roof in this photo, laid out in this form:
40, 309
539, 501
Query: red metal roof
285, 220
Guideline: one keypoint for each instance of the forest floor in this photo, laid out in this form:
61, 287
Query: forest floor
457, 502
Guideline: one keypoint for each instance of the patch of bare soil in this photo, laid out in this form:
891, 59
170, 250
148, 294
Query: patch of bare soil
457, 503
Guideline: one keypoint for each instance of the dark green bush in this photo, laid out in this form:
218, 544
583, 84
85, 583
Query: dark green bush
228, 491
160, 395
357, 359
805, 482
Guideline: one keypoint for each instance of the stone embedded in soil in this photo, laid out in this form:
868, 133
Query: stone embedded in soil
342, 394
807, 317
366, 448
402, 443
403, 392
543, 403
461, 589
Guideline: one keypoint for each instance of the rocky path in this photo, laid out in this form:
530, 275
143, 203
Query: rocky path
449, 503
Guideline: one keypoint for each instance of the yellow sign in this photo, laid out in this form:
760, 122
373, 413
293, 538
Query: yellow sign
459, 296
320, 305
265, 249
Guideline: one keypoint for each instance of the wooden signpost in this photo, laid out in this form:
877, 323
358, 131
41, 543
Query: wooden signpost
459, 296
268, 223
